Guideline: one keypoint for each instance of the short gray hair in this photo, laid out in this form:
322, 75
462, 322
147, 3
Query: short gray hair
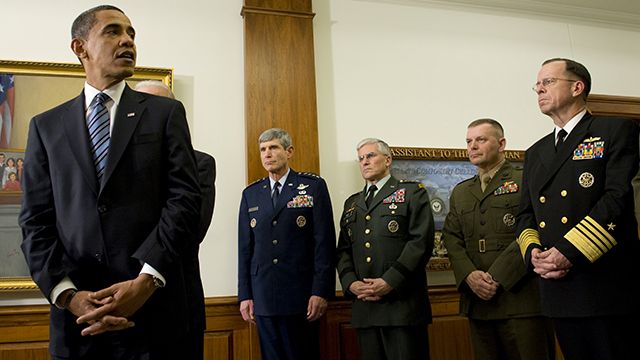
156, 84
276, 134
383, 147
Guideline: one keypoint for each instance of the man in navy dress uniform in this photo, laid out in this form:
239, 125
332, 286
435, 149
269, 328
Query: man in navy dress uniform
286, 242
576, 225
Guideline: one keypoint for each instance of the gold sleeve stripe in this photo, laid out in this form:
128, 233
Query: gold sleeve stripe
589, 233
591, 239
605, 233
595, 236
526, 238
583, 245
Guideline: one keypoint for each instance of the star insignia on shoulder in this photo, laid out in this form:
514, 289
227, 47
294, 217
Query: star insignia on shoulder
611, 226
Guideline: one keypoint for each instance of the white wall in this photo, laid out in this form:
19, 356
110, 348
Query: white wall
414, 76
417, 75
202, 41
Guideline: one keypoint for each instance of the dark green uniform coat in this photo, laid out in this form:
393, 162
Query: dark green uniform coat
479, 235
390, 240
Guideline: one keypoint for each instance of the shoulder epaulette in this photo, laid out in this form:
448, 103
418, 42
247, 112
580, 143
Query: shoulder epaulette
465, 180
418, 183
257, 181
310, 175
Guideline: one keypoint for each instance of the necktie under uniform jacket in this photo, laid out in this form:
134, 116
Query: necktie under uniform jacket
145, 211
580, 201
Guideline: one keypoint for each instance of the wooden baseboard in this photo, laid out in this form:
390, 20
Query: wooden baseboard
24, 330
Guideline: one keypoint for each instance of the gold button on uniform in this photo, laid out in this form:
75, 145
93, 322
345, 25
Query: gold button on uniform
542, 199
563, 193
368, 217
542, 225
367, 244
564, 219
368, 259
275, 261
367, 231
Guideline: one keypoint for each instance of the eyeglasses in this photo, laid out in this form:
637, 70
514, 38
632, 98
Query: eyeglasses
367, 156
548, 82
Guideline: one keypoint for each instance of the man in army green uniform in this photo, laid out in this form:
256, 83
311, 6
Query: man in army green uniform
386, 235
498, 296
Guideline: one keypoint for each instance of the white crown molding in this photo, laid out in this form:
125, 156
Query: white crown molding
611, 13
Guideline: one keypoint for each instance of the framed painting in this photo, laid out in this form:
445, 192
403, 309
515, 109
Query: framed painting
26, 89
440, 170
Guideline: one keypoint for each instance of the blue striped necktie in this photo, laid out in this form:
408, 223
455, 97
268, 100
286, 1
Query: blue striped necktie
98, 125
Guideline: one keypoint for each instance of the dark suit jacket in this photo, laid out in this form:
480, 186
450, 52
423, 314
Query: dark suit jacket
195, 293
145, 211
286, 254
479, 234
207, 179
391, 240
580, 201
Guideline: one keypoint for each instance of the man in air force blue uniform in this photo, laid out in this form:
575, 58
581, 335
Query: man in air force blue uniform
286, 240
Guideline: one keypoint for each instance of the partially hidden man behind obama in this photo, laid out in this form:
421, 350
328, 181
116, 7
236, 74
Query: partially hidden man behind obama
111, 200
286, 246
206, 179
498, 294
386, 237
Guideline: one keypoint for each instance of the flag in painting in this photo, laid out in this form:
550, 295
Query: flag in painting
7, 94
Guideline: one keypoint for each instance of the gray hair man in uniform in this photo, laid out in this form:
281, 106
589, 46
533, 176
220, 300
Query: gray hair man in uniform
386, 236
576, 226
498, 296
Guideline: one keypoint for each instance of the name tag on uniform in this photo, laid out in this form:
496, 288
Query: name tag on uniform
253, 209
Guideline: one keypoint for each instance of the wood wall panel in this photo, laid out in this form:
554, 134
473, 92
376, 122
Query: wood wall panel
26, 351
280, 79
24, 331
625, 106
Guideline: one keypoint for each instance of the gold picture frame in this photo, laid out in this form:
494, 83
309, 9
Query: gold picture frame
37, 87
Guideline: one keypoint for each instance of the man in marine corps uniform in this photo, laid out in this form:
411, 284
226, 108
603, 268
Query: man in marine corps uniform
386, 236
286, 240
497, 295
576, 226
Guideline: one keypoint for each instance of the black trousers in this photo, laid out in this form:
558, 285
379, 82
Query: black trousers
288, 337
116, 345
601, 338
394, 343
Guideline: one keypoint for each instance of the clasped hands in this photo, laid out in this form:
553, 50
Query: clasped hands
316, 307
109, 309
550, 264
482, 284
370, 289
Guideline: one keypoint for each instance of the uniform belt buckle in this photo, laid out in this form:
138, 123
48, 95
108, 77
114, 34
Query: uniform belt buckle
482, 246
